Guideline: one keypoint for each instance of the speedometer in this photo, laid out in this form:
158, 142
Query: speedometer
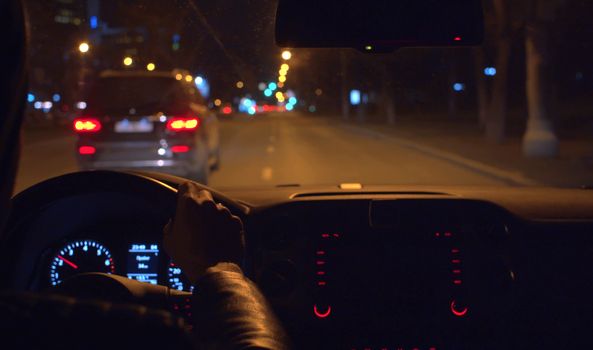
79, 257
177, 279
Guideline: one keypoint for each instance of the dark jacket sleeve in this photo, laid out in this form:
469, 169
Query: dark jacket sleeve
231, 313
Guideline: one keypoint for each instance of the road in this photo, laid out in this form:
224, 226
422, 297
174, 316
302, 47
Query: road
278, 149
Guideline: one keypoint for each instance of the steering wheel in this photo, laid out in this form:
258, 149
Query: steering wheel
107, 288
161, 195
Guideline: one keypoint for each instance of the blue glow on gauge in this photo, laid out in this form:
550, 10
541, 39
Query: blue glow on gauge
79, 257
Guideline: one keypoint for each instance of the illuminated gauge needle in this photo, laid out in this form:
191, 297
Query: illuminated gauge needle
73, 265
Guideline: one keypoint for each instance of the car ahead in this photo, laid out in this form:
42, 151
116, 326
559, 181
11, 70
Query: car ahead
148, 121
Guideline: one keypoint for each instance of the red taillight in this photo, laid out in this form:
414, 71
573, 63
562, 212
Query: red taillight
180, 149
86, 125
87, 150
183, 124
227, 110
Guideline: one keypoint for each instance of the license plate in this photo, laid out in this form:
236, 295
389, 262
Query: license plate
128, 126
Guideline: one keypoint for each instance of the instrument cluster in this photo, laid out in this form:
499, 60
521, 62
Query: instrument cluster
142, 261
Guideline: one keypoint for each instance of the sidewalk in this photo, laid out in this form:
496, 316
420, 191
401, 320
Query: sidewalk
462, 142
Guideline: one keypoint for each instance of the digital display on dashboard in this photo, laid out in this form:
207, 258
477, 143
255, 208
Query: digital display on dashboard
143, 262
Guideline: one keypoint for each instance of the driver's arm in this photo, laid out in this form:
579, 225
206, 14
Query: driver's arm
207, 242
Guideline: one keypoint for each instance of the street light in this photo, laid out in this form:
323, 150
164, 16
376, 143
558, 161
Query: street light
150, 67
240, 85
285, 67
286, 55
282, 78
84, 47
128, 61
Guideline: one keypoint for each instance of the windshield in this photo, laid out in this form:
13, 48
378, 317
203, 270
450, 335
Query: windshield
198, 89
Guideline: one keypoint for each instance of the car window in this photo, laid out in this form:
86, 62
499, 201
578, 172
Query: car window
515, 111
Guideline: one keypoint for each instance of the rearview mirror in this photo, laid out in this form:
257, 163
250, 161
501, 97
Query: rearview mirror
379, 25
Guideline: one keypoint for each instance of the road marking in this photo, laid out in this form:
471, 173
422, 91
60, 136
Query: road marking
270, 149
266, 173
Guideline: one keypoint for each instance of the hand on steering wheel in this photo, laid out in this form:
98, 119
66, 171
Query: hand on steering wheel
202, 233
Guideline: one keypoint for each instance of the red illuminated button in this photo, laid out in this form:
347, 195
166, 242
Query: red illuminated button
322, 312
458, 311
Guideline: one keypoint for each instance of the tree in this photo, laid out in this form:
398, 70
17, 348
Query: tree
492, 103
540, 139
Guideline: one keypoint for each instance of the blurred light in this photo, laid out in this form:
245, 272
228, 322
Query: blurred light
289, 107
368, 48
128, 61
281, 99
160, 162
318, 92
355, 97
458, 87
161, 151
284, 67
162, 119
280, 84
30, 97
150, 67
286, 55
268, 92
251, 110
176, 38
457, 38
38, 105
180, 149
86, 125
279, 94
217, 102
282, 78
247, 102
47, 105
87, 150
183, 124
490, 71
262, 86
81, 105
272, 86
240, 85
189, 78
203, 86
175, 46
293, 100
227, 110
312, 109
94, 22
84, 47
178, 76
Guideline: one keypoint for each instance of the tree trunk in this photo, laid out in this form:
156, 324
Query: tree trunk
345, 93
388, 93
540, 139
482, 87
453, 59
496, 117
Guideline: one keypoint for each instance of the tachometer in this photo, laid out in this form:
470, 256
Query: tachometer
79, 257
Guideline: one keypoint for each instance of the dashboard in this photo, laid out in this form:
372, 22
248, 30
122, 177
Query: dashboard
381, 268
